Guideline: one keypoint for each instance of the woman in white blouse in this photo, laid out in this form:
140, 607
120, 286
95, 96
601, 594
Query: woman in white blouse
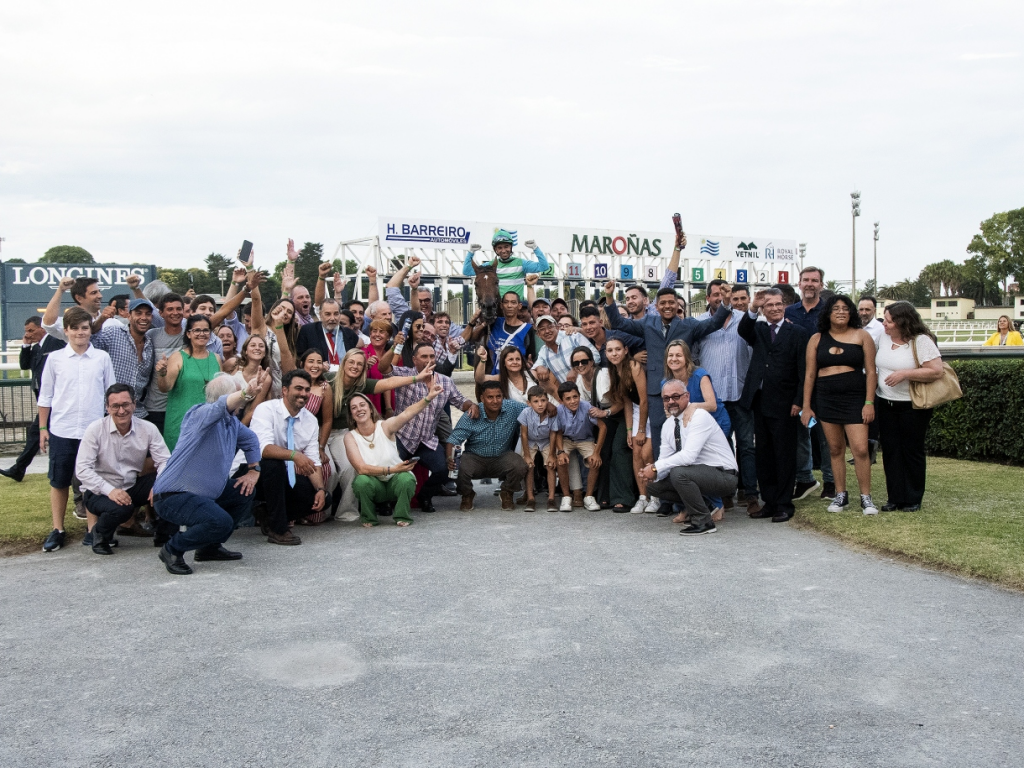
901, 427
373, 452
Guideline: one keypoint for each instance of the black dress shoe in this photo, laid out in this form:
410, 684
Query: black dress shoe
102, 548
762, 514
216, 553
175, 564
781, 518
889, 507
427, 505
13, 473
911, 508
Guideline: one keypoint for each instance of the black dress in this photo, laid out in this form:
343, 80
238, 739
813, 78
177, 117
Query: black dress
839, 398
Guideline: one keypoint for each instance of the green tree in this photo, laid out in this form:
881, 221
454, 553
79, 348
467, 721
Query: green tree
15, 261
308, 264
67, 254
1001, 244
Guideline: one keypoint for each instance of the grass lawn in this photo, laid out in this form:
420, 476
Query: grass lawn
969, 523
25, 516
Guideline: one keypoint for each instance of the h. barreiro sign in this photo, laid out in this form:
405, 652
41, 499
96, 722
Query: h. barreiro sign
27, 288
399, 232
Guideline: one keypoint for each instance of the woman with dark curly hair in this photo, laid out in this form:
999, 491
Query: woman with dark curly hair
839, 389
901, 427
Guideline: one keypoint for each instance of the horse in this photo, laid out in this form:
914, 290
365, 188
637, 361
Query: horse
486, 285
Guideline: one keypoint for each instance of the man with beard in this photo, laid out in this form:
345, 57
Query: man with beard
85, 292
290, 480
131, 350
166, 341
598, 335
327, 336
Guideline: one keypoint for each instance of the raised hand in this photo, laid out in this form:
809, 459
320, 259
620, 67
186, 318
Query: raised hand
324, 270
414, 261
399, 338
133, 281
66, 283
759, 298
253, 280
453, 344
531, 244
238, 274
436, 389
427, 373
481, 352
339, 284
609, 288
108, 312
414, 280
475, 247
288, 279
252, 257
532, 278
256, 382
161, 366
371, 273
292, 254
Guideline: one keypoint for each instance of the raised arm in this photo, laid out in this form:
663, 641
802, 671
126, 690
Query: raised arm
538, 266
480, 374
671, 275
393, 425
320, 292
615, 320
398, 278
259, 322
372, 294
51, 317
394, 382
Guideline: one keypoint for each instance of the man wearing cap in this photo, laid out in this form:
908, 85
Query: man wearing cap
511, 270
555, 357
131, 350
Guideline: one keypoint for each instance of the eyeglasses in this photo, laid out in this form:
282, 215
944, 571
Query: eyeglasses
121, 407
580, 363
671, 397
201, 331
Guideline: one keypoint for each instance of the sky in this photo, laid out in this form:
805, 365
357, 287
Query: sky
160, 134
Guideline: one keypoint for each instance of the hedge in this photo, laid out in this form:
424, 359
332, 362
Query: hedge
987, 423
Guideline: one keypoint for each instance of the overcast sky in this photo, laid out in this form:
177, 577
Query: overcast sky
162, 133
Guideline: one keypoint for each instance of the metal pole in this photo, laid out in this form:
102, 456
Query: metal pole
855, 209
876, 257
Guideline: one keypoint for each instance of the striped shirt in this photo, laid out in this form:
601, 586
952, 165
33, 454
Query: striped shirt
117, 342
559, 361
511, 273
726, 357
422, 429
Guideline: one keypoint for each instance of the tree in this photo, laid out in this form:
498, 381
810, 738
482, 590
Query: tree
308, 264
15, 261
1001, 244
67, 254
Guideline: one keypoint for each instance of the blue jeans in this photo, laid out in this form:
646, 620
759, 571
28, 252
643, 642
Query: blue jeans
210, 521
805, 456
743, 432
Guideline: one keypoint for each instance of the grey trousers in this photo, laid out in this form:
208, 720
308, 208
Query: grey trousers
688, 485
509, 467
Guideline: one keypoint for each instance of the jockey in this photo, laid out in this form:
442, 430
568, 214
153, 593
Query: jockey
512, 270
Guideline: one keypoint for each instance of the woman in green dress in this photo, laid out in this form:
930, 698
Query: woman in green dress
185, 374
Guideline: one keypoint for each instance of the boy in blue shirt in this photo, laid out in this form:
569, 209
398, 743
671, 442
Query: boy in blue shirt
538, 429
576, 418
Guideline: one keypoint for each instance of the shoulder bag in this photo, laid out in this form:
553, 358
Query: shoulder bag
930, 394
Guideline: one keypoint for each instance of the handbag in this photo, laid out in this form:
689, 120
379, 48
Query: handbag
930, 394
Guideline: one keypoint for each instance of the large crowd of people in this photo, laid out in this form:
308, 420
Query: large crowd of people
182, 420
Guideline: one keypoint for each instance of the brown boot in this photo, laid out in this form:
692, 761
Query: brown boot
467, 502
752, 506
507, 502
577, 499
287, 538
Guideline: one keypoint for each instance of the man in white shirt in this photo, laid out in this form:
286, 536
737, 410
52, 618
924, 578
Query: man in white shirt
71, 395
85, 292
867, 308
110, 458
291, 483
695, 460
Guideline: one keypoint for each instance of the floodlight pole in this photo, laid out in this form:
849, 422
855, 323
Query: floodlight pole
855, 205
876, 257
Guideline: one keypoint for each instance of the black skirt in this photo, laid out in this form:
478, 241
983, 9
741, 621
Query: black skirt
839, 399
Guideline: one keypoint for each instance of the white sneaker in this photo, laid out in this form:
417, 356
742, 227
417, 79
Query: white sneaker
590, 503
839, 503
348, 517
653, 505
639, 507
566, 504
867, 505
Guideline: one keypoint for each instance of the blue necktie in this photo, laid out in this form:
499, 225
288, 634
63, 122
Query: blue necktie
291, 446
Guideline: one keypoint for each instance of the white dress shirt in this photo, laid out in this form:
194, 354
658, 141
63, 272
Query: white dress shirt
270, 423
73, 386
876, 330
57, 329
108, 460
701, 442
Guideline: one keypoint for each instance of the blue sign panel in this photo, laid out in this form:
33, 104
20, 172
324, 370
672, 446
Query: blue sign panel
625, 271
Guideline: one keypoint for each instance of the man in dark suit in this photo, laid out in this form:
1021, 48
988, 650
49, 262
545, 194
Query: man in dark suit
327, 336
774, 389
657, 331
35, 348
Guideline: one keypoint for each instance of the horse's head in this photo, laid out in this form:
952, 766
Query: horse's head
486, 284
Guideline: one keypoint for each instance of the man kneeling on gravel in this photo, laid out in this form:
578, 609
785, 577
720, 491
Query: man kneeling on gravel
695, 459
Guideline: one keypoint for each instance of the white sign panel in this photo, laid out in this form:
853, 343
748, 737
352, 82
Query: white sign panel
400, 232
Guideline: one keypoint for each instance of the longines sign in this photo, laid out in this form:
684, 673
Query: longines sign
27, 288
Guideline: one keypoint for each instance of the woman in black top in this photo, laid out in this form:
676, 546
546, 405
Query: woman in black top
839, 390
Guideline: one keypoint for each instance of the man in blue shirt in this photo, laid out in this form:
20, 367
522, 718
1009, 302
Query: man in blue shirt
192, 490
805, 314
489, 441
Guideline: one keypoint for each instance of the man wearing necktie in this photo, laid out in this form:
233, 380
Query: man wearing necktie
290, 484
695, 460
327, 336
774, 390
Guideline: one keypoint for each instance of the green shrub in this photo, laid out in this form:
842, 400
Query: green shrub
987, 423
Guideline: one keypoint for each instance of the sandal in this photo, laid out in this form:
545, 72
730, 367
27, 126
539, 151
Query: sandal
369, 525
619, 508
403, 523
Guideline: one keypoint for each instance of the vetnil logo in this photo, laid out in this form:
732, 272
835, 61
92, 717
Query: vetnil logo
619, 245
747, 251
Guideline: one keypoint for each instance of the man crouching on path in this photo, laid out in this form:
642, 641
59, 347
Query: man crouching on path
192, 489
